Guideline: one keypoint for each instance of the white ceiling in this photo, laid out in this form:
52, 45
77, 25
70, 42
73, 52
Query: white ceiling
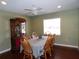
47, 6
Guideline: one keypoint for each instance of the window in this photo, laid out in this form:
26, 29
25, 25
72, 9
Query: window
23, 27
52, 26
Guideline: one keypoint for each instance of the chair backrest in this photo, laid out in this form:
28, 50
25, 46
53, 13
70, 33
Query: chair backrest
26, 46
50, 41
47, 44
52, 38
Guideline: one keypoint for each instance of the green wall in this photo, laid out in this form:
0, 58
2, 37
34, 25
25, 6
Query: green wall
69, 26
5, 42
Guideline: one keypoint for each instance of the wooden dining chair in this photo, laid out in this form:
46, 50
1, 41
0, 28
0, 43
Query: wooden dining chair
47, 48
52, 43
27, 50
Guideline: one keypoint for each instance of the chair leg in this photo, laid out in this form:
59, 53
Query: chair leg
50, 53
31, 57
24, 57
45, 55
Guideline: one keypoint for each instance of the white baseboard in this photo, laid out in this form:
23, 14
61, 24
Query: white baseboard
66, 45
5, 50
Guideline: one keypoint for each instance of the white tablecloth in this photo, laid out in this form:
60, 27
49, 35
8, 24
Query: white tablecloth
37, 46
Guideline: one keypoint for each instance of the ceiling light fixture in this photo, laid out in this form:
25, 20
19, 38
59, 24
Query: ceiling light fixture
3, 2
59, 6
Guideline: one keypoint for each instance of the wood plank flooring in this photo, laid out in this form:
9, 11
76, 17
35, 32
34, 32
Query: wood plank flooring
60, 53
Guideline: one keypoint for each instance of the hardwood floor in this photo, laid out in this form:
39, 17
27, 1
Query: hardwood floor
60, 53
66, 53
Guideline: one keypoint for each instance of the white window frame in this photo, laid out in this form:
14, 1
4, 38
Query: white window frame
48, 29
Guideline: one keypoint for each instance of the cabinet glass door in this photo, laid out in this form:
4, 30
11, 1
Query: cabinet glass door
23, 27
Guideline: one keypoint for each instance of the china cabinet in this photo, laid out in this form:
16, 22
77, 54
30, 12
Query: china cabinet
17, 27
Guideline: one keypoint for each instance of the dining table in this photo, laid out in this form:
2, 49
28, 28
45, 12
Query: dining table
37, 47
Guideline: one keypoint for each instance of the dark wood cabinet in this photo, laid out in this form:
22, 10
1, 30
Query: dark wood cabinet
17, 27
